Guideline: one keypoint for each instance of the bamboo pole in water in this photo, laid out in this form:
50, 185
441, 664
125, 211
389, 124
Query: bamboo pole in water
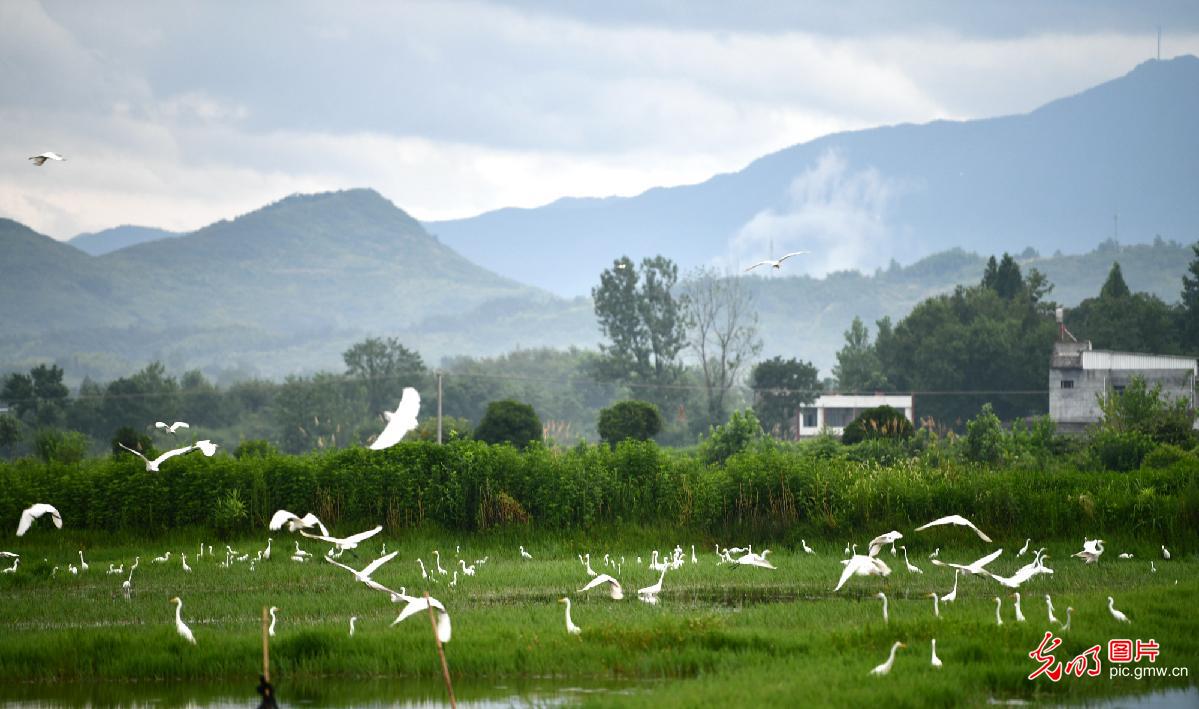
445, 669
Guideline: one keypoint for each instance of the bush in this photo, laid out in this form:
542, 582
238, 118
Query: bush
255, 448
1165, 455
55, 446
451, 429
132, 438
1120, 451
879, 422
1144, 410
984, 437
639, 420
509, 421
733, 437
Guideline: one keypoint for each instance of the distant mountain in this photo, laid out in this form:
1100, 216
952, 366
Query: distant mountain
1055, 178
101, 242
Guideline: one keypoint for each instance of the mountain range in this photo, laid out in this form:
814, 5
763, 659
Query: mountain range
288, 287
1117, 160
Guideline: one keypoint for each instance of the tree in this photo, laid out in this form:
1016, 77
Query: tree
384, 368
858, 365
1114, 286
1145, 410
10, 432
725, 441
320, 412
781, 387
509, 421
139, 400
200, 402
639, 420
1125, 321
1004, 278
644, 323
39, 397
879, 422
1190, 303
723, 333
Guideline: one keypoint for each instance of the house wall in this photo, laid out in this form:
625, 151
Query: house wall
1075, 408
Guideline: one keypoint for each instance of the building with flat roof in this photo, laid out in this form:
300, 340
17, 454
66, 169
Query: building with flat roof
1081, 377
833, 412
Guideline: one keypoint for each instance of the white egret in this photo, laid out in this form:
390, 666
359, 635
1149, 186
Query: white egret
1023, 574
423, 574
1069, 610
846, 551
752, 559
976, 567
295, 523
886, 666
350, 542
776, 264
364, 576
998, 605
862, 565
437, 560
1165, 553
161, 559
466, 570
1111, 606
181, 627
73, 569
936, 604
655, 589
300, 552
266, 553
1125, 555
416, 605
615, 590
40, 160
454, 581
524, 554
171, 428
400, 421
936, 661
271, 630
8, 555
82, 564
1152, 567
912, 568
207, 447
883, 596
34, 512
1049, 607
1019, 613
1023, 548
935, 554
882, 540
1092, 549
116, 570
587, 564
958, 520
186, 568
152, 465
952, 595
13, 569
694, 559
570, 624
807, 549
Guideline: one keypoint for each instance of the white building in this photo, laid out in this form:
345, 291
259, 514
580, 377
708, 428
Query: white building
833, 412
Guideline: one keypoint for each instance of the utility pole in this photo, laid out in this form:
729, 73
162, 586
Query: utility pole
439, 407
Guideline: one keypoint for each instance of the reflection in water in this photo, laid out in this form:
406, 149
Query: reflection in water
311, 693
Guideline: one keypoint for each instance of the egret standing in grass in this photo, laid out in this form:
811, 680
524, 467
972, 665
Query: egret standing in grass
180, 627
570, 624
1111, 606
1019, 613
952, 595
886, 666
883, 596
998, 605
1049, 607
936, 661
353, 618
936, 604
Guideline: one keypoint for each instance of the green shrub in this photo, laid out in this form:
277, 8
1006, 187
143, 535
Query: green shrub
1120, 451
55, 446
984, 437
132, 438
509, 421
1145, 410
255, 448
736, 435
880, 422
1165, 455
639, 420
229, 513
451, 429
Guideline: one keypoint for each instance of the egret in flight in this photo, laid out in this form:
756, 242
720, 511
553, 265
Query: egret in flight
776, 264
171, 428
614, 588
350, 542
295, 523
40, 160
416, 605
956, 520
34, 512
400, 421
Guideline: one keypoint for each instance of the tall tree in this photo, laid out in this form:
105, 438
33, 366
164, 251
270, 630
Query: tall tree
723, 335
1004, 278
384, 368
1190, 303
139, 400
1114, 286
1121, 320
40, 397
781, 387
858, 365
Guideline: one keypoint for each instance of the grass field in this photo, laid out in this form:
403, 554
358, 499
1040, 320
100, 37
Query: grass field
720, 634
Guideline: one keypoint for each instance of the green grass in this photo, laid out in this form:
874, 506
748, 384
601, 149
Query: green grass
720, 634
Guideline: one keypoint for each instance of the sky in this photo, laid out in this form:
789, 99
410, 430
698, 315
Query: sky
176, 114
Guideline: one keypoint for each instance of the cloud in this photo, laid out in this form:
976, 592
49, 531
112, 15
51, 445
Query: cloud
837, 214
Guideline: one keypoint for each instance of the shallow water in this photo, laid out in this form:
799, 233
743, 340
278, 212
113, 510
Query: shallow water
1182, 698
313, 693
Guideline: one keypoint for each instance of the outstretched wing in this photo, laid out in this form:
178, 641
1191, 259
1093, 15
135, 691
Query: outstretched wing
371, 567
355, 538
280, 518
793, 253
206, 447
602, 578
988, 558
400, 422
178, 425
38, 160
759, 263
139, 455
171, 454
311, 520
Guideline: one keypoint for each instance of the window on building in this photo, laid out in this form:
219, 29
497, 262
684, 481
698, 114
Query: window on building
1067, 383
809, 418
838, 418
1119, 388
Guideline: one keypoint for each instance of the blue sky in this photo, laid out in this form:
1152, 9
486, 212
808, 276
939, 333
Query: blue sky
177, 114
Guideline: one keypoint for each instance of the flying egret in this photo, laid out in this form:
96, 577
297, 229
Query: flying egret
952, 595
862, 565
886, 666
1092, 549
207, 447
882, 540
883, 596
171, 428
524, 554
34, 512
998, 605
364, 576
295, 523
775, 263
976, 567
152, 465
1049, 607
958, 520
752, 559
1023, 574
912, 568
416, 605
181, 627
936, 661
40, 160
614, 590
936, 604
807, 549
400, 421
1023, 548
1019, 613
1111, 606
344, 544
570, 624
